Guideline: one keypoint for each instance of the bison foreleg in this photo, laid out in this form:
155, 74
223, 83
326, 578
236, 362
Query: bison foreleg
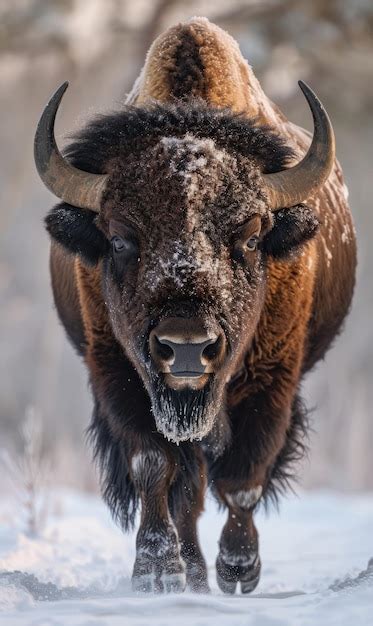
238, 559
267, 432
186, 522
158, 565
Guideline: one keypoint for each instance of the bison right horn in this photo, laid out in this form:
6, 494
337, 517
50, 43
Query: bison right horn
81, 189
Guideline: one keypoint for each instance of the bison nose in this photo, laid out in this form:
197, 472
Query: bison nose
185, 349
183, 359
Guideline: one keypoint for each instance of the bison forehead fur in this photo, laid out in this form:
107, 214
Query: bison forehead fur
187, 197
191, 180
181, 169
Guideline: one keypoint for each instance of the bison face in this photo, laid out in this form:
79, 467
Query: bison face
183, 236
185, 277
185, 209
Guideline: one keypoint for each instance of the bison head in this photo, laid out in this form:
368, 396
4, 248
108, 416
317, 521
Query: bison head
182, 205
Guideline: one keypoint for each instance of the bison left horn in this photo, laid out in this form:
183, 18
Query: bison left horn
81, 189
296, 184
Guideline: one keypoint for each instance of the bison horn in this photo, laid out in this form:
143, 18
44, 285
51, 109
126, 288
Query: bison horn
81, 189
294, 185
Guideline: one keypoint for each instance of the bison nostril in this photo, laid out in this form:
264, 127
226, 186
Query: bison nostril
212, 350
164, 351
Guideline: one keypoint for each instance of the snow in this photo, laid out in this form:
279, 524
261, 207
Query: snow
314, 554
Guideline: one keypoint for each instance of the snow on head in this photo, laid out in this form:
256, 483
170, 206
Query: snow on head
189, 158
191, 163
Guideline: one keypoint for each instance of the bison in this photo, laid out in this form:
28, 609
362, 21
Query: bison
202, 261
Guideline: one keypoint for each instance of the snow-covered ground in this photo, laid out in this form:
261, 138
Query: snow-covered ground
315, 569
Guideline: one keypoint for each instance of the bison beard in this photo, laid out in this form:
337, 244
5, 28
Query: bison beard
186, 414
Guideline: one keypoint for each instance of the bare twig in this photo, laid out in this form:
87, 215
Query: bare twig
28, 471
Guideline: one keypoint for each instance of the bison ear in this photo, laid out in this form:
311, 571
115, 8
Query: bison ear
292, 228
76, 231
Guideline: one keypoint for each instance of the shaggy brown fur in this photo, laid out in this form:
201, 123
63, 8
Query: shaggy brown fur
186, 172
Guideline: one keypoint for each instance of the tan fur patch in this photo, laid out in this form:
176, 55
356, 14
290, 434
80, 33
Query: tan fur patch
229, 80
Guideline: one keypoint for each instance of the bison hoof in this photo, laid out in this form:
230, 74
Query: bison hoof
159, 567
152, 577
229, 574
196, 577
153, 583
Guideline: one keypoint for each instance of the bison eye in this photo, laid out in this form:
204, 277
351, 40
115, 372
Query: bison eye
252, 243
124, 247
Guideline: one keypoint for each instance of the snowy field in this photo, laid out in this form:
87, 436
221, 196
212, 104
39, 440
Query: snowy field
315, 569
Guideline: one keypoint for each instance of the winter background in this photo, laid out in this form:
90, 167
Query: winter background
74, 565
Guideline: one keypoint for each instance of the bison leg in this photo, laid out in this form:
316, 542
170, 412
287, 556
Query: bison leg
196, 571
158, 565
267, 437
238, 559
